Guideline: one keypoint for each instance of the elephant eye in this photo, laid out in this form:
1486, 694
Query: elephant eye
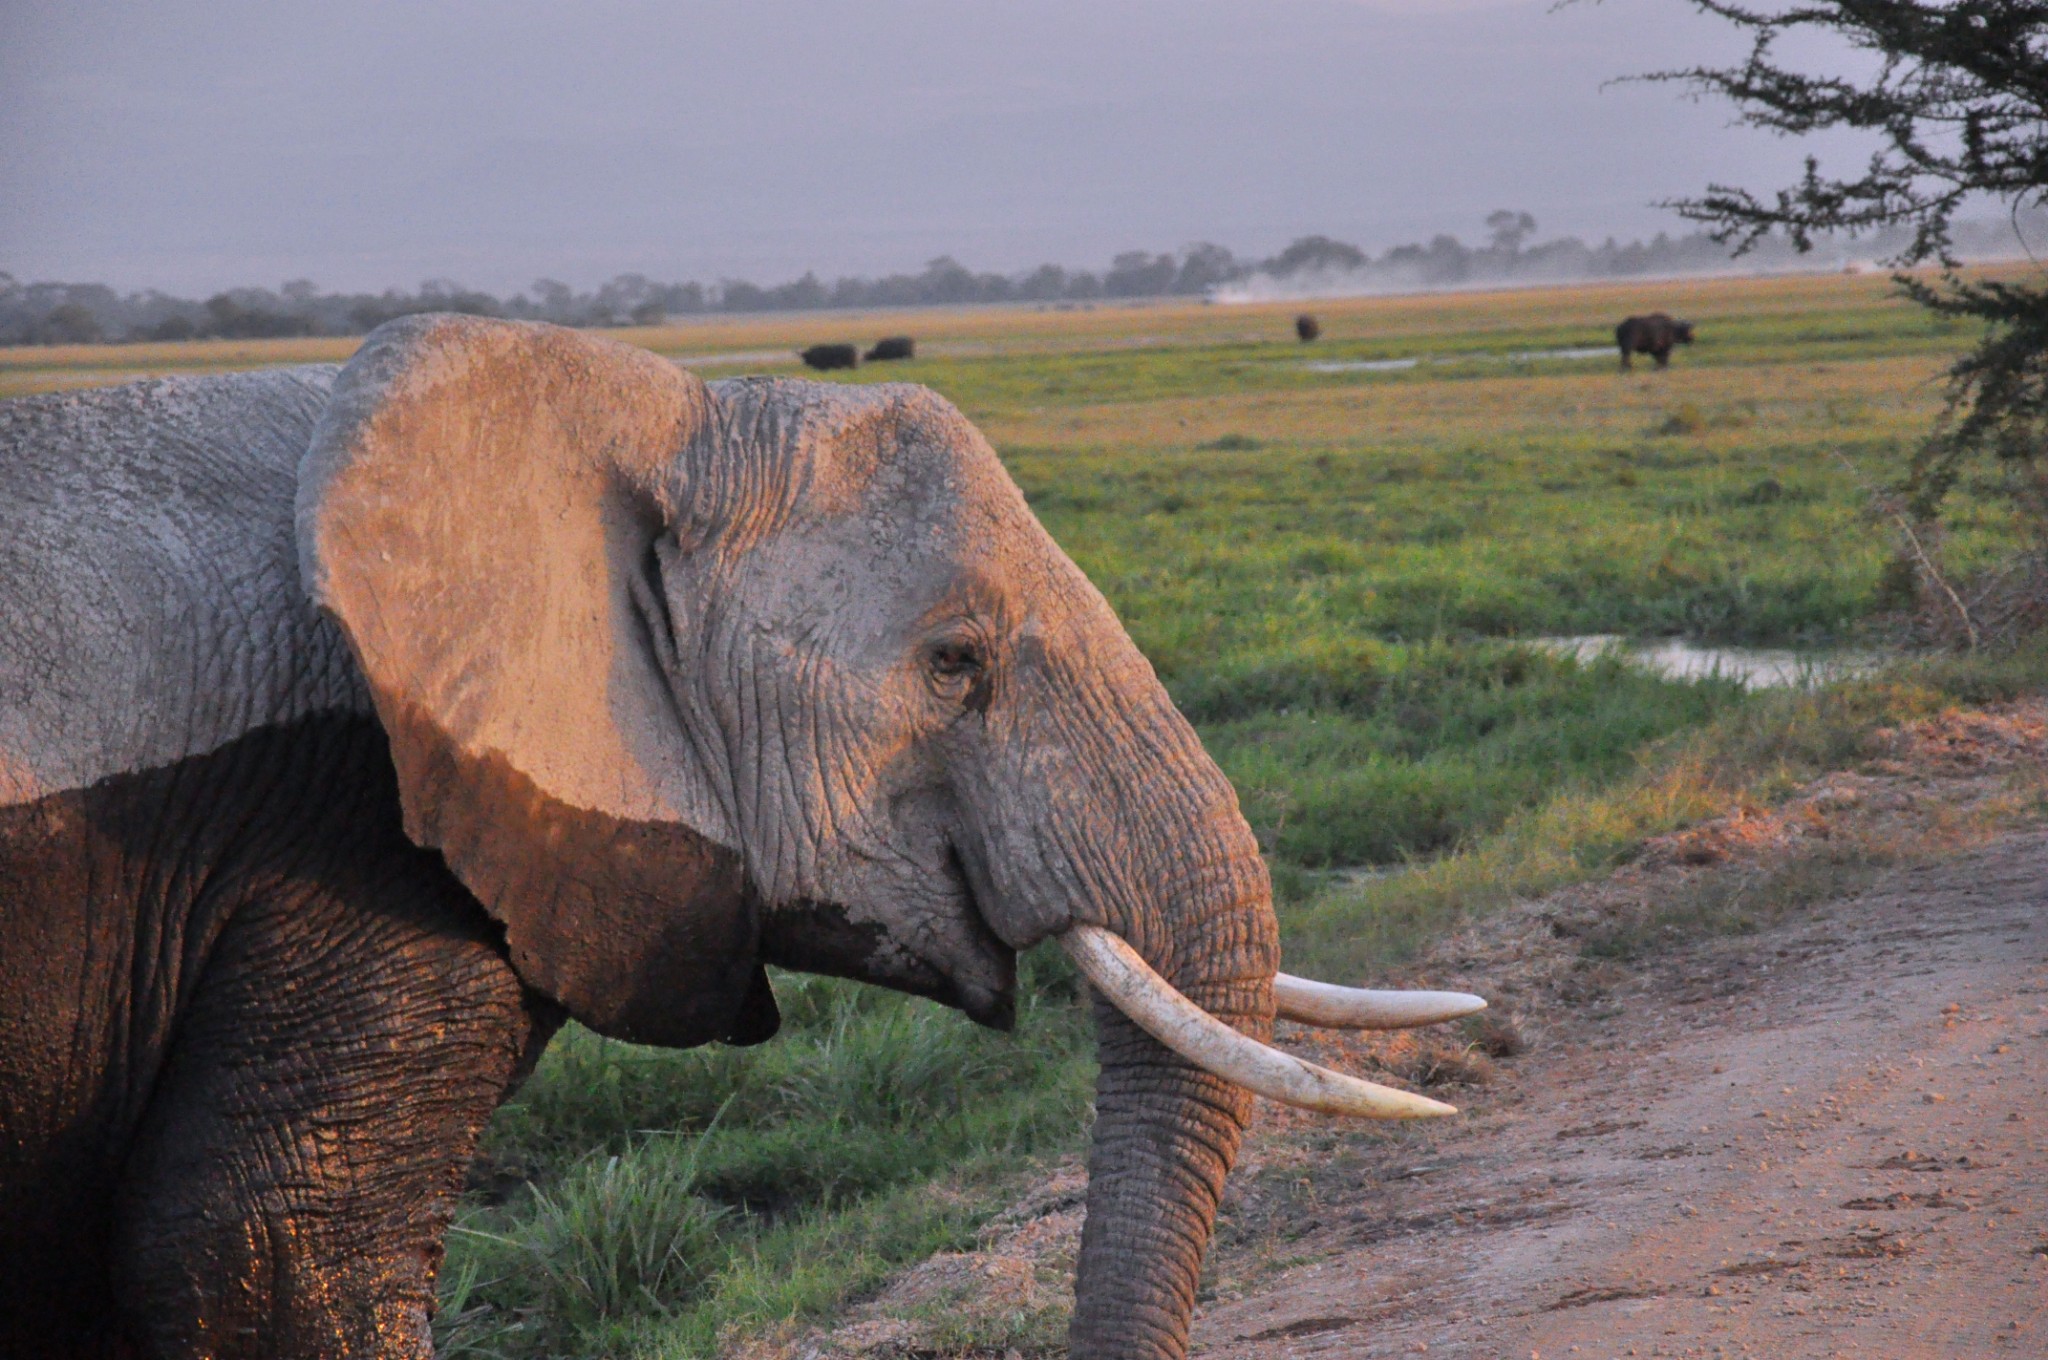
955, 660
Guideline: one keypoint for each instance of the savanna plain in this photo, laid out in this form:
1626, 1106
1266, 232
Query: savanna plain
1347, 568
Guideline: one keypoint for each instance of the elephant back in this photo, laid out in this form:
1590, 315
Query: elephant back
150, 605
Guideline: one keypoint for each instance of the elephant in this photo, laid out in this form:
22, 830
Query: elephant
1653, 335
360, 725
830, 356
892, 347
1307, 328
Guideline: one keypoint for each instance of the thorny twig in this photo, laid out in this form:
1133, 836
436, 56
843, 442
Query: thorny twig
1890, 506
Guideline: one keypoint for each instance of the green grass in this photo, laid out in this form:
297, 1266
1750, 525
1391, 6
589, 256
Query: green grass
658, 1197
1232, 555
1373, 754
1337, 575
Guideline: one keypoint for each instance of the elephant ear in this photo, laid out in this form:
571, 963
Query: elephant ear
478, 509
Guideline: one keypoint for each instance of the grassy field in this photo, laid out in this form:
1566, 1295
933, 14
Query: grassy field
1337, 570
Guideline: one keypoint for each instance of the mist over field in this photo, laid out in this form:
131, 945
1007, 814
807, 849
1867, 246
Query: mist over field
1446, 264
194, 147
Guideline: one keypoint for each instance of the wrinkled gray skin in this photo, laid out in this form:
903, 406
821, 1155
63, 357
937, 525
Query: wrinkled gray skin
676, 680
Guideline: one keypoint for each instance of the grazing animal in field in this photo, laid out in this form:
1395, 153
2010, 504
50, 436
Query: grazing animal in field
359, 726
1307, 328
1653, 335
892, 347
831, 356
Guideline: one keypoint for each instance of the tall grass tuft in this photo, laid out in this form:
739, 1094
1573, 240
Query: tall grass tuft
624, 1236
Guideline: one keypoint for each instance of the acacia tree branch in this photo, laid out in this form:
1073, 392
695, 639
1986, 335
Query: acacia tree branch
1890, 507
1957, 100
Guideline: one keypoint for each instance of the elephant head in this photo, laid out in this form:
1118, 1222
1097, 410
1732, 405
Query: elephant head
682, 680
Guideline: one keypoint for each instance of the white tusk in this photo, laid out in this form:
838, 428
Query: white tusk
1162, 1012
1307, 1002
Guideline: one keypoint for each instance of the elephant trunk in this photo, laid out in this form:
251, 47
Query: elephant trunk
1167, 1131
1181, 1056
1168, 912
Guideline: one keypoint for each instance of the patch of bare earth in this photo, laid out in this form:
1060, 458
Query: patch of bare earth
1778, 1089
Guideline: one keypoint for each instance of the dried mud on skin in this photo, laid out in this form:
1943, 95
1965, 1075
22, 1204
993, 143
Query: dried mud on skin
1698, 1122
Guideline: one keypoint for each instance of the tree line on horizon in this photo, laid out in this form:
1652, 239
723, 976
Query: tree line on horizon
90, 313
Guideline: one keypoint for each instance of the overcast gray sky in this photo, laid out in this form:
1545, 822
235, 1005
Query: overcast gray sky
194, 144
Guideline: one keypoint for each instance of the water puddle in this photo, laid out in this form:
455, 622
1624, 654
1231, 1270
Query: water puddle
1583, 352
1362, 365
1756, 667
752, 357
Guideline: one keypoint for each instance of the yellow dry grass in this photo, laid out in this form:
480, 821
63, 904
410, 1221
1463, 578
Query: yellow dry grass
1894, 394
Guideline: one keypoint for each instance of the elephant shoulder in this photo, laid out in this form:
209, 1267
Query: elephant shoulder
150, 606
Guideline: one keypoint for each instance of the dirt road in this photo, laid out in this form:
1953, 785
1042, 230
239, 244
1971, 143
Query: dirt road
1830, 1139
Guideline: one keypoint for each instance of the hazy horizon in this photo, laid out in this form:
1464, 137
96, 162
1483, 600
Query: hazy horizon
192, 147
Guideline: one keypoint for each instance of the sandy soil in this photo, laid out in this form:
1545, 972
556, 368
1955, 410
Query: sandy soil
1827, 1139
1778, 1089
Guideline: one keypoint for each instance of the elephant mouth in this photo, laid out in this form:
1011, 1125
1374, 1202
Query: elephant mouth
830, 939
980, 979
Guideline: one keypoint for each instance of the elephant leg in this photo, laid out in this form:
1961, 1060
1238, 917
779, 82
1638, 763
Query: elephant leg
302, 1153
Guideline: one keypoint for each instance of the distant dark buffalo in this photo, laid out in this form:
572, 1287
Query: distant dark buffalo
892, 347
1306, 328
1653, 335
831, 356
